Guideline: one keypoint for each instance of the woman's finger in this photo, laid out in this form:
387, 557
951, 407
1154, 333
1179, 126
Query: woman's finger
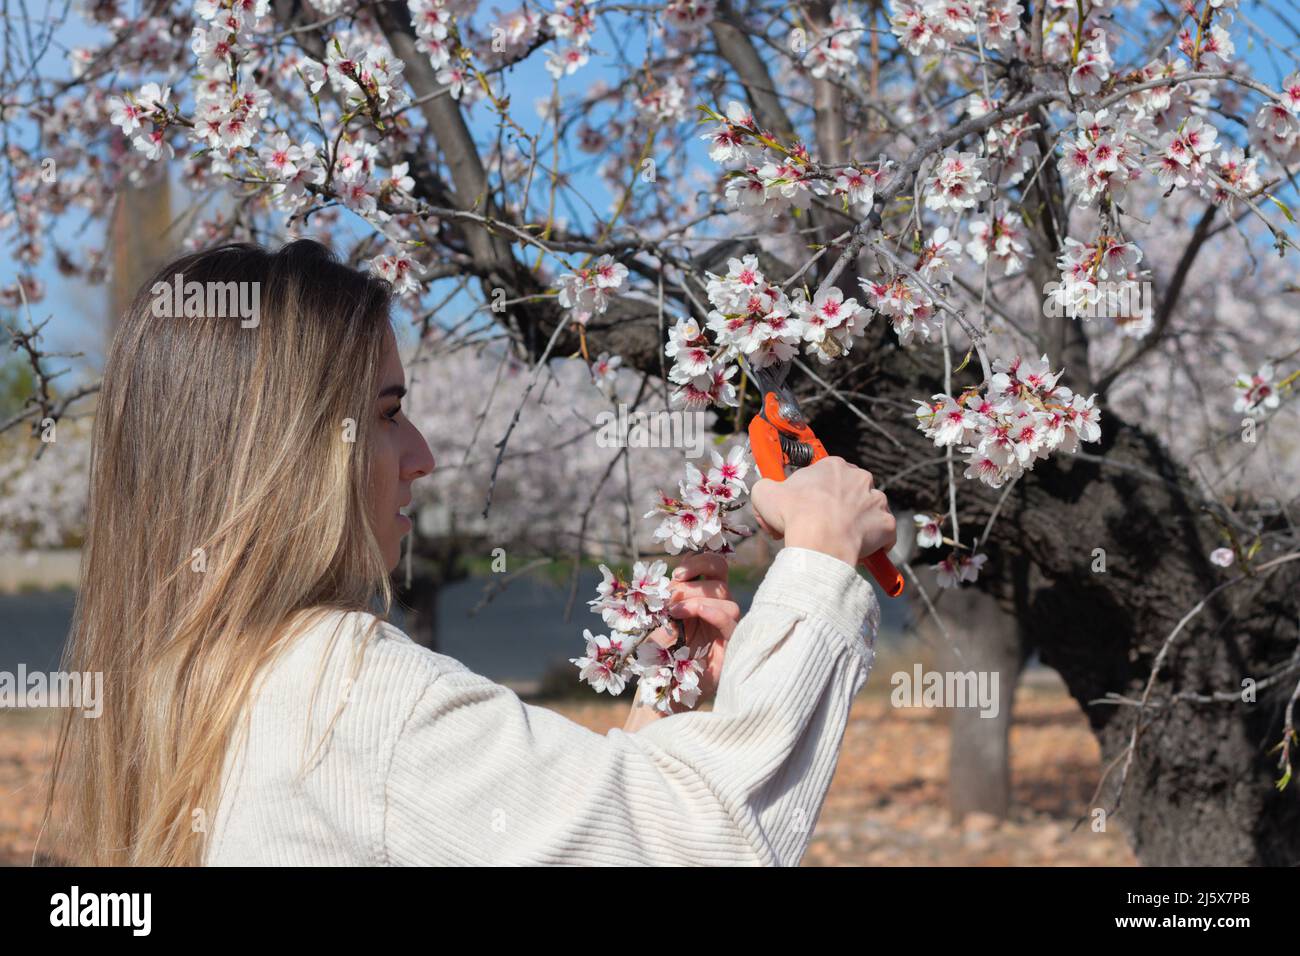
663, 636
702, 564
724, 615
701, 587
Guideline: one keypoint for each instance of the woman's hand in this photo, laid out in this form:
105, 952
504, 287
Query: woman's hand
702, 601
831, 506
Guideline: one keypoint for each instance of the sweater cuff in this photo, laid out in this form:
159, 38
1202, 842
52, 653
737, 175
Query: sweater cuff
824, 588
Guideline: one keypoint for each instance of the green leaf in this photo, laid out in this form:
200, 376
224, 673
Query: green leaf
1286, 211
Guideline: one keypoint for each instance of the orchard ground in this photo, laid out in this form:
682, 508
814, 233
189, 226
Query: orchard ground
886, 806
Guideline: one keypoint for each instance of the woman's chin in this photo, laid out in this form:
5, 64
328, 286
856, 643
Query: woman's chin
393, 556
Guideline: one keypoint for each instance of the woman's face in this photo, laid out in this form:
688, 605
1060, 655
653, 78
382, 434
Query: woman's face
400, 456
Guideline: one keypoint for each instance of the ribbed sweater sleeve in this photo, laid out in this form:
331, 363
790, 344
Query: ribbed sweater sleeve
477, 776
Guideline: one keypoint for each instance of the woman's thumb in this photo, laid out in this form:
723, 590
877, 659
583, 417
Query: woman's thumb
710, 611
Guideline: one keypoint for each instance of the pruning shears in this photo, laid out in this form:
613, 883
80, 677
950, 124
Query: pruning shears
779, 435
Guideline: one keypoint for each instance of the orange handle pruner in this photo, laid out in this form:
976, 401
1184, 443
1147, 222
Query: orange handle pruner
780, 436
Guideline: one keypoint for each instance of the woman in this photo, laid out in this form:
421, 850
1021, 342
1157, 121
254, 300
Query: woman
246, 486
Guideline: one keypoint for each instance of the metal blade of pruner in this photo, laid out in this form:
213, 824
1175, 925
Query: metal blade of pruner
779, 409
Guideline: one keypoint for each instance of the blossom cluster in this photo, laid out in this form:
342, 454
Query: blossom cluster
1085, 266
231, 122
1187, 158
1021, 416
586, 291
1000, 237
663, 104
364, 75
768, 176
958, 182
699, 517
437, 37
753, 318
1277, 124
399, 270
1182, 156
633, 609
775, 177
835, 49
1210, 49
145, 115
901, 296
699, 380
1092, 65
956, 567
689, 16
932, 26
573, 22
858, 186
1099, 159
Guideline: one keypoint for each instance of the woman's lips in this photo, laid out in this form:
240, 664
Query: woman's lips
404, 521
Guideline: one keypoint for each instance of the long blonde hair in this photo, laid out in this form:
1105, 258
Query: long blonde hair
228, 504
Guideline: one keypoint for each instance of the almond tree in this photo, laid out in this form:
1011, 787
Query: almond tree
1010, 245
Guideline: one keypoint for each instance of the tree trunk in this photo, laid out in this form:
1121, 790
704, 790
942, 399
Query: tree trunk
979, 765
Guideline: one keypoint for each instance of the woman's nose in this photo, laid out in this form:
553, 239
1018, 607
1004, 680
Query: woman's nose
419, 461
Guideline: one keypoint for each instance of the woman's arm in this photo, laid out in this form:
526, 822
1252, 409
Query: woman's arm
479, 777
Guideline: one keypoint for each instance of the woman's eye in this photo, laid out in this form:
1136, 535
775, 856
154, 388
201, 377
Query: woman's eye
392, 416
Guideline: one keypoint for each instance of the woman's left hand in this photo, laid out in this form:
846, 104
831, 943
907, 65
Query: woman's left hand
701, 600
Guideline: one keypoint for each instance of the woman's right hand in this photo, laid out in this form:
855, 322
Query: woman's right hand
829, 506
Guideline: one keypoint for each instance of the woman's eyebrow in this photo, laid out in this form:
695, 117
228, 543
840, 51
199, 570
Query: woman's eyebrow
398, 390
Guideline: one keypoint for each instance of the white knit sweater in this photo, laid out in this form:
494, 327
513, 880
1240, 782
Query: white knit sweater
429, 763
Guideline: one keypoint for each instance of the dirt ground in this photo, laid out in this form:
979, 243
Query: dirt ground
886, 806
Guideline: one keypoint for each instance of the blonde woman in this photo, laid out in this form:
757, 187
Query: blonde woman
247, 482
